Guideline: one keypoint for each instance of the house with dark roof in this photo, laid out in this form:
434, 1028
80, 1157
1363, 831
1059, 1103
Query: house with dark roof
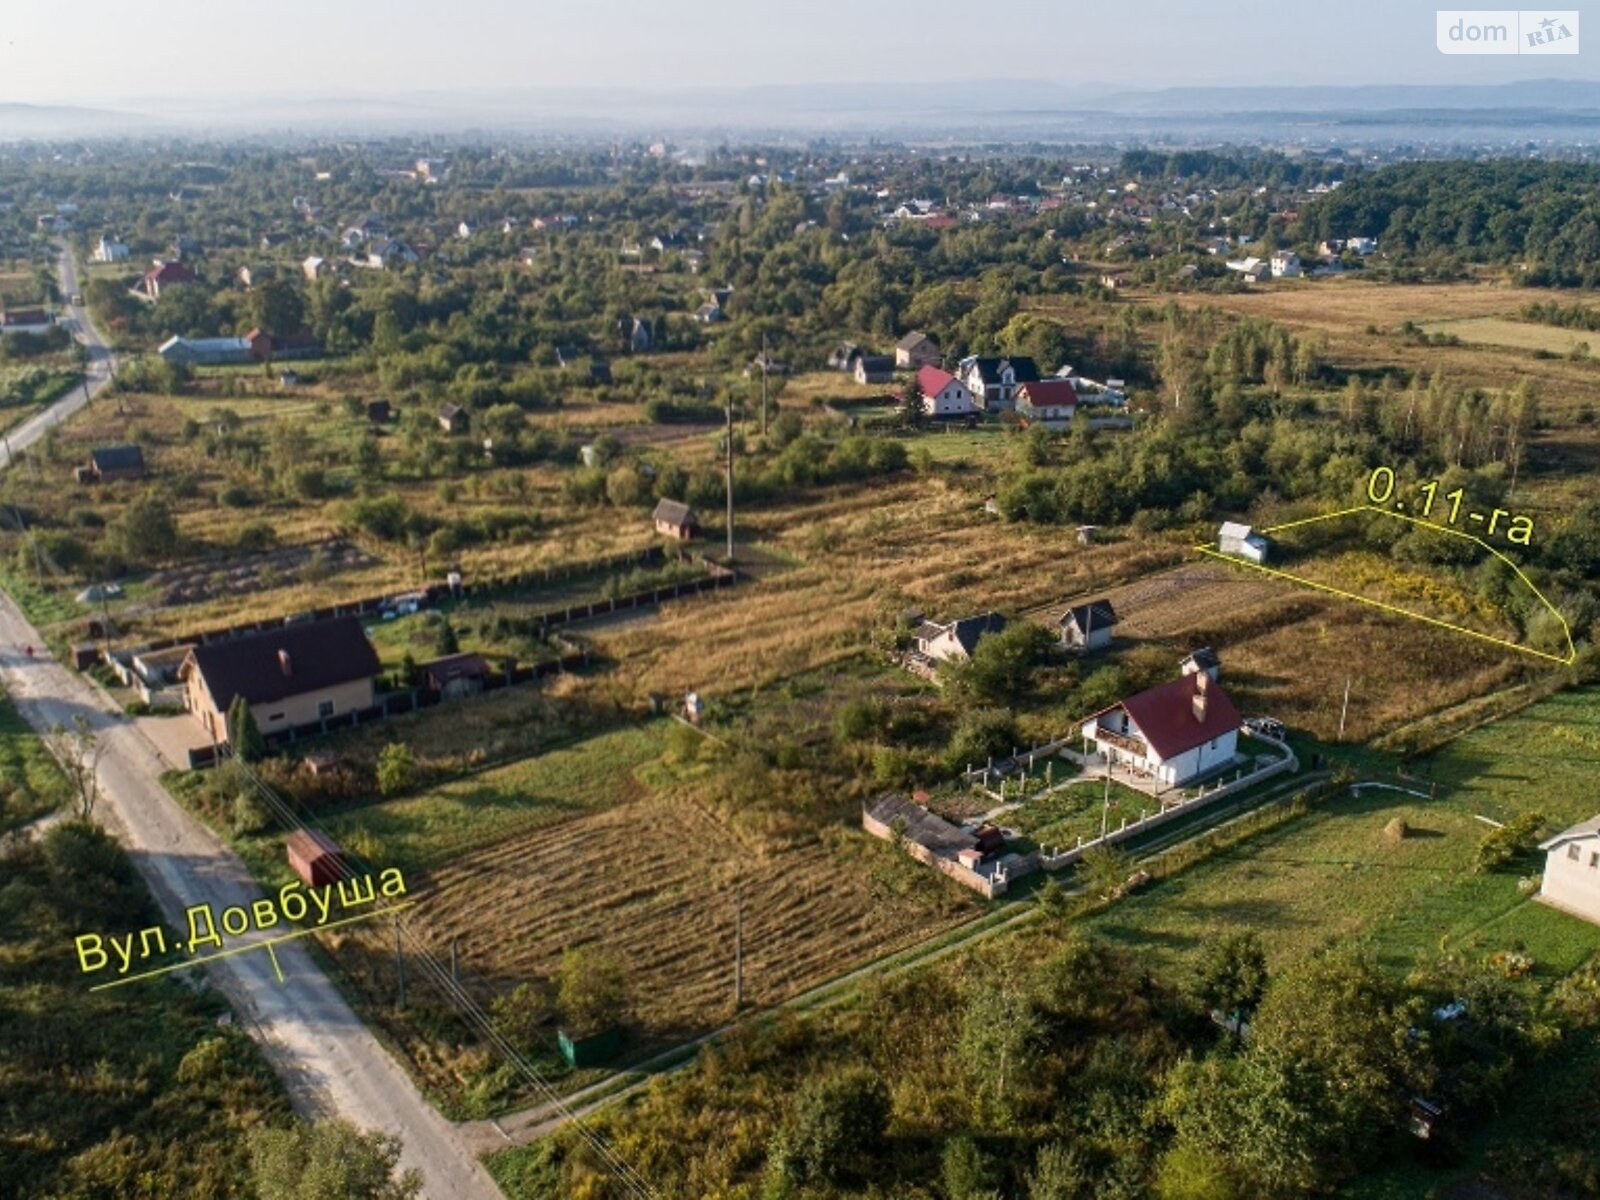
676, 520
994, 380
292, 676
843, 357
109, 463
874, 368
1572, 870
978, 858
955, 642
456, 675
1174, 732
1088, 626
916, 350
453, 418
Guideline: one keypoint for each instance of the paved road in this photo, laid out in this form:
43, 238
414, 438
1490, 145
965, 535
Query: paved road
98, 369
330, 1062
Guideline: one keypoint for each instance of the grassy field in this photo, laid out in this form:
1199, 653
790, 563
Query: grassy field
1336, 877
1512, 334
30, 782
443, 823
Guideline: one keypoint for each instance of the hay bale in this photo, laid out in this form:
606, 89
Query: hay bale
1396, 830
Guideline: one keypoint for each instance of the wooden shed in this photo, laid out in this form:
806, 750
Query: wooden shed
315, 857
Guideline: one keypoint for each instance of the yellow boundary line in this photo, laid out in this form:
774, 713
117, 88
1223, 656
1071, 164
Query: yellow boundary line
1572, 649
266, 944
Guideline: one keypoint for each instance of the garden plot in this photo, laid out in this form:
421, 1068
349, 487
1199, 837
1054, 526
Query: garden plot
258, 572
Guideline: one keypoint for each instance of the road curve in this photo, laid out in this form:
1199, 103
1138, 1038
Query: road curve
98, 367
330, 1062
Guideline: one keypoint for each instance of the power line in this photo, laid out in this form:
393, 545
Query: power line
467, 1008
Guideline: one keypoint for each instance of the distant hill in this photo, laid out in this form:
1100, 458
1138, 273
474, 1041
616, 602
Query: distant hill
1546, 94
54, 120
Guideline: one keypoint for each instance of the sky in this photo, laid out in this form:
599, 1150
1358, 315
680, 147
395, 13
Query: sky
108, 52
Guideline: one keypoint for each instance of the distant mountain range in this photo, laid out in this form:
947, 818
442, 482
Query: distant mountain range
994, 108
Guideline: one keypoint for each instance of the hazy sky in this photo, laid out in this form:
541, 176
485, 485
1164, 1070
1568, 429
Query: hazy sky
118, 50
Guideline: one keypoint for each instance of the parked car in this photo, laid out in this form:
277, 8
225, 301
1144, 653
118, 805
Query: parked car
1267, 726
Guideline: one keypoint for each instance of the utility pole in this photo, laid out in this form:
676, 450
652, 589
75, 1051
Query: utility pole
399, 963
764, 389
1345, 711
738, 951
729, 448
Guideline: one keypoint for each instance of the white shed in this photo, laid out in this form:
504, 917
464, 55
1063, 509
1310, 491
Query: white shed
1241, 541
1572, 870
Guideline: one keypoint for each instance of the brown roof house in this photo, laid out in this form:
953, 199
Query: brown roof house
109, 463
675, 519
292, 676
456, 675
1174, 732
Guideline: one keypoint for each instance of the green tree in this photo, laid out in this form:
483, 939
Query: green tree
278, 307
912, 409
396, 768
998, 1028
834, 1134
965, 1171
1105, 869
329, 1160
1002, 664
449, 641
146, 530
1061, 1173
1232, 974
244, 734
591, 991
519, 1014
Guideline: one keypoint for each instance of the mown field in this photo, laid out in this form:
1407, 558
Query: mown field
609, 844
1512, 334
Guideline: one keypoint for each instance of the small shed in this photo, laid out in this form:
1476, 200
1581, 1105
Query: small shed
108, 463
694, 706
378, 411
1241, 541
453, 419
1088, 626
456, 675
675, 519
84, 655
315, 857
590, 1050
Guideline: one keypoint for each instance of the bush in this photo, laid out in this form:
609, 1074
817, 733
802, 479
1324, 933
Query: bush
1514, 840
396, 768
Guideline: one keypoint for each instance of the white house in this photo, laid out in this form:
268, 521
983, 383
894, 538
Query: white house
1175, 732
956, 641
1243, 542
1285, 264
1572, 870
109, 250
994, 380
314, 268
1088, 626
943, 395
1361, 245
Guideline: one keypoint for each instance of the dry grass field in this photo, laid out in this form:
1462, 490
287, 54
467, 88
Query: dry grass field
1513, 335
656, 882
1287, 651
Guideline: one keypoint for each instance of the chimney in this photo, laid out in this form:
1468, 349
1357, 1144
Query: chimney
284, 663
1202, 683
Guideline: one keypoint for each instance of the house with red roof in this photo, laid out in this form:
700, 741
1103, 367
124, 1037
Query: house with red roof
163, 274
1174, 732
1047, 402
943, 395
